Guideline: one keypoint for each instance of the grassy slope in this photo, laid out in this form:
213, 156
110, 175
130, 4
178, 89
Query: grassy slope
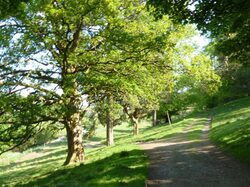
121, 165
124, 164
231, 129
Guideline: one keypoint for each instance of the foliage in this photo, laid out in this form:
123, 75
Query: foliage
235, 84
225, 20
234, 77
11, 8
90, 124
19, 123
57, 53
45, 134
114, 109
193, 83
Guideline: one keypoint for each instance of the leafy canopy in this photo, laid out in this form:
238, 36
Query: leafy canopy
226, 21
55, 54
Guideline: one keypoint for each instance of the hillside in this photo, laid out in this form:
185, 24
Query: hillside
231, 129
125, 164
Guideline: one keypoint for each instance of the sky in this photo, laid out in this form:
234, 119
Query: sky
201, 41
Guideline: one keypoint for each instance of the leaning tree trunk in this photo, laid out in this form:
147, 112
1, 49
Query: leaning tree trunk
169, 119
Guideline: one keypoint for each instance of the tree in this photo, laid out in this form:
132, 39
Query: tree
11, 7
56, 53
136, 108
226, 21
193, 83
137, 83
110, 114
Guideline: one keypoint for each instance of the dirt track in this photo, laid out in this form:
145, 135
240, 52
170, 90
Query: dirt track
182, 163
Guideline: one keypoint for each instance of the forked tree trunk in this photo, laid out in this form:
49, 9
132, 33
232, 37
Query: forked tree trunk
135, 123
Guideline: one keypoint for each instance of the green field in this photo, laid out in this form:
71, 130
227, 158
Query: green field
123, 164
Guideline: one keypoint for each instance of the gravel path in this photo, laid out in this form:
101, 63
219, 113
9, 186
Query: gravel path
182, 163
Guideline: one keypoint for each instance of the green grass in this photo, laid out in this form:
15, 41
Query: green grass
111, 166
231, 129
121, 165
124, 164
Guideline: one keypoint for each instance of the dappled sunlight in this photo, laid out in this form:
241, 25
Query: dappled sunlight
166, 144
231, 129
183, 146
118, 168
205, 165
190, 150
32, 163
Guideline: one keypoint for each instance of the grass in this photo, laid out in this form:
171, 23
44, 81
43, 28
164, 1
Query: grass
106, 169
231, 129
123, 164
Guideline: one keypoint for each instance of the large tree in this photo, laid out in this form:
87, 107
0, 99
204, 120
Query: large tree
226, 21
136, 84
11, 7
55, 54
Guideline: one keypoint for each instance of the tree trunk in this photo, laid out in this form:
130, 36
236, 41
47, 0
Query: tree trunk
135, 123
75, 147
154, 117
109, 127
72, 117
110, 134
169, 119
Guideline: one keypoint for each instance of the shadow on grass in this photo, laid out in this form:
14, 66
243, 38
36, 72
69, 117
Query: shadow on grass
232, 109
126, 168
234, 138
123, 131
93, 139
39, 160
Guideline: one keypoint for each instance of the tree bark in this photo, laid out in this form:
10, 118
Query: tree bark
135, 123
110, 134
72, 117
169, 119
109, 127
154, 117
75, 147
